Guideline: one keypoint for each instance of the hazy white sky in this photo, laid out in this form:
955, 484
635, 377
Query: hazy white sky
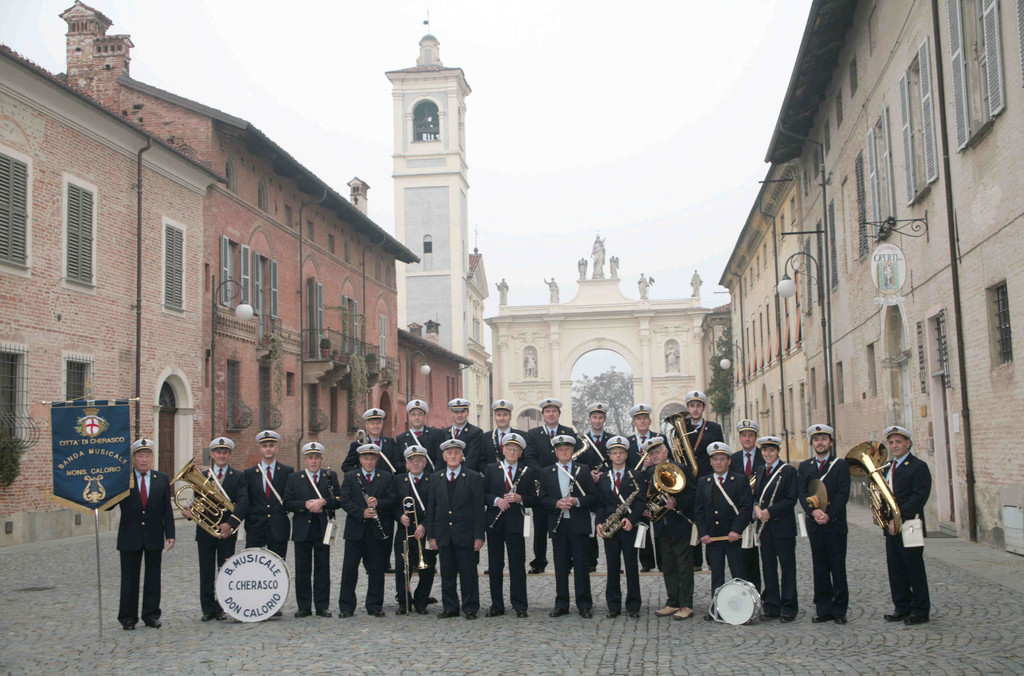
647, 121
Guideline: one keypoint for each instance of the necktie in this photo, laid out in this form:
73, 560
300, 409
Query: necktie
417, 480
821, 465
316, 479
458, 433
721, 481
220, 474
643, 440
376, 442
892, 474
551, 434
501, 441
750, 467
451, 477
508, 486
418, 432
369, 478
767, 471
143, 493
618, 482
270, 477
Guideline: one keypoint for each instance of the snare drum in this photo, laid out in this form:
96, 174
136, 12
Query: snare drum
736, 602
253, 585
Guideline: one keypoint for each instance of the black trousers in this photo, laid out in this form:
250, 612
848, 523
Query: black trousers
718, 552
677, 568
828, 558
620, 553
752, 559
370, 550
313, 574
776, 553
499, 542
908, 582
131, 566
212, 555
540, 540
460, 563
425, 577
263, 538
567, 544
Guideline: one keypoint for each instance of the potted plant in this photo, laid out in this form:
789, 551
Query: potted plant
325, 347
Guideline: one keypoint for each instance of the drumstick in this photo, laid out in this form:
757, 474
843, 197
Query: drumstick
721, 538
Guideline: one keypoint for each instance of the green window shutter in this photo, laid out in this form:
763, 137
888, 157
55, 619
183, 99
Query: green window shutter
13, 210
79, 253
174, 241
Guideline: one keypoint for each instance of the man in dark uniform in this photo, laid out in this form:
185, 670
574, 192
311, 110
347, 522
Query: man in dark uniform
312, 496
509, 488
413, 484
391, 458
641, 416
748, 462
540, 454
827, 529
491, 443
146, 527
614, 491
775, 496
367, 497
214, 551
701, 433
911, 484
596, 456
455, 528
723, 508
568, 494
419, 434
465, 431
260, 502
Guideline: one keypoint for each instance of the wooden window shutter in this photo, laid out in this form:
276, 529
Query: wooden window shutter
174, 240
79, 235
273, 289
958, 73
13, 210
993, 57
931, 163
243, 260
908, 138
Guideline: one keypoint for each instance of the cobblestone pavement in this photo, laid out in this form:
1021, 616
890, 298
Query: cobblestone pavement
48, 623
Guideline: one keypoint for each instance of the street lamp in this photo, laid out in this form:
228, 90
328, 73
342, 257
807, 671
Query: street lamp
725, 364
244, 312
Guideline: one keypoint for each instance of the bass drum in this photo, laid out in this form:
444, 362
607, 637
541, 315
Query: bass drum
253, 585
736, 602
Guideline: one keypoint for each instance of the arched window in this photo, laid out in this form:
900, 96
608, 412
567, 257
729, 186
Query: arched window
229, 173
261, 195
426, 124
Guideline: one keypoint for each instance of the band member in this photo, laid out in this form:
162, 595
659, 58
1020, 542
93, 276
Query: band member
641, 415
312, 496
702, 433
413, 484
568, 494
775, 497
492, 442
540, 454
260, 502
146, 528
373, 425
748, 461
455, 527
614, 491
675, 534
723, 508
597, 414
827, 529
419, 434
509, 488
911, 484
466, 431
213, 552
367, 497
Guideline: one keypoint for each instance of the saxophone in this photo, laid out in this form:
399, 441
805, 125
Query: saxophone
613, 523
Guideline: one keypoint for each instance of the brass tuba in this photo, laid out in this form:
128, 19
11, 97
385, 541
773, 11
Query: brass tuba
679, 441
868, 459
667, 480
211, 505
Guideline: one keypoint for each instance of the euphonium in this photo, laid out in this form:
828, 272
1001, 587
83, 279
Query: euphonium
613, 523
210, 506
867, 459
679, 441
409, 508
666, 481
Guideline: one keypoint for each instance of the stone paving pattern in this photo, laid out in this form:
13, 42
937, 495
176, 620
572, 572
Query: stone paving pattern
48, 623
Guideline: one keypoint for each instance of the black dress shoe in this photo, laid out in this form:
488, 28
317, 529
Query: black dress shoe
787, 618
697, 569
323, 613
646, 569
221, 615
611, 614
586, 613
916, 619
208, 616
152, 623
389, 570
558, 612
421, 610
840, 619
593, 569
401, 611
896, 617
128, 625
445, 614
769, 616
470, 616
708, 618
634, 614
494, 612
487, 571
303, 613
278, 614
536, 571
818, 619
431, 600
520, 614
345, 613
376, 613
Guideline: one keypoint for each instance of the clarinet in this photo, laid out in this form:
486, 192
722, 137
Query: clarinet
561, 512
366, 499
511, 490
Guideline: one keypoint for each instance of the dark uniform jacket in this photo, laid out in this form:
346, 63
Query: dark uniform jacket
679, 521
388, 448
911, 486
837, 485
713, 513
494, 488
700, 439
608, 502
306, 524
232, 485
455, 511
472, 436
430, 438
783, 489
146, 527
353, 503
403, 489
491, 448
739, 465
551, 493
257, 509
633, 453
539, 452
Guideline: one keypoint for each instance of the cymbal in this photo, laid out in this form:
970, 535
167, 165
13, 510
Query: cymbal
817, 496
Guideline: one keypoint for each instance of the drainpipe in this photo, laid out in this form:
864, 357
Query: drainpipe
138, 289
302, 331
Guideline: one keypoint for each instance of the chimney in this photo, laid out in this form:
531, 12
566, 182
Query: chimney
95, 59
432, 330
357, 196
416, 329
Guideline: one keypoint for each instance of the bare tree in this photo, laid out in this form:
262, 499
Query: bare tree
612, 387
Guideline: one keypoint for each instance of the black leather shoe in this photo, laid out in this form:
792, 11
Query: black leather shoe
593, 569
896, 617
470, 616
389, 570
840, 619
634, 614
401, 611
586, 613
345, 613
611, 614
421, 610
558, 612
786, 618
697, 569
536, 571
768, 616
818, 619
303, 613
916, 619
708, 618
431, 600
520, 614
323, 613
376, 613
208, 616
152, 623
487, 571
494, 612
221, 615
445, 614
128, 625
278, 614
646, 569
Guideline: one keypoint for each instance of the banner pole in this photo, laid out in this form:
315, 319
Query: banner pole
99, 579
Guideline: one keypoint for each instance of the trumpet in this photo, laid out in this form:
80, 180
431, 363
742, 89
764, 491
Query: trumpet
211, 505
366, 499
409, 509
613, 523
679, 441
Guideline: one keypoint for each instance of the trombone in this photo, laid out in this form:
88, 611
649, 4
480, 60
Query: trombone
409, 509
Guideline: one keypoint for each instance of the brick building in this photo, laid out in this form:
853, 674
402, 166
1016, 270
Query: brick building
442, 384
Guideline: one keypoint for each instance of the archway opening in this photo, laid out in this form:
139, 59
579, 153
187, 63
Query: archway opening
603, 376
